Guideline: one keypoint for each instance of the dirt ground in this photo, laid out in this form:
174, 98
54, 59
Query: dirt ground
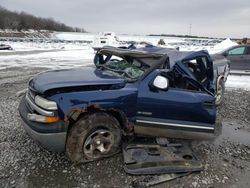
23, 163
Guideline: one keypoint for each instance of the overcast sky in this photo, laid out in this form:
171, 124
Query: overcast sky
218, 18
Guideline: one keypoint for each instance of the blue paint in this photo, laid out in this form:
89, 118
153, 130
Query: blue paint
73, 89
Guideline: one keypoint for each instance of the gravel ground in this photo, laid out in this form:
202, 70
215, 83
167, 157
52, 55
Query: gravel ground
23, 163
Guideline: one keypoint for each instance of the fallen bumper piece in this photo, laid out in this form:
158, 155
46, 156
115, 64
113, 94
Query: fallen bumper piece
149, 159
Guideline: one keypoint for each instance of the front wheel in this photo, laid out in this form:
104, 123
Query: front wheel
93, 137
220, 90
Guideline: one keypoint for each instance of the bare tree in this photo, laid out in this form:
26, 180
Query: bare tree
25, 21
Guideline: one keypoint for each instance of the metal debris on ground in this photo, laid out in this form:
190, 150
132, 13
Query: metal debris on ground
163, 158
155, 180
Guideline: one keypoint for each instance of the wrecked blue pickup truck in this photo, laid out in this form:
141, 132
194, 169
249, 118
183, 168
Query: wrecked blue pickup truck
148, 91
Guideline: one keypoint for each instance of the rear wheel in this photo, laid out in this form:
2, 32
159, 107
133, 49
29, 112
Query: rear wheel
220, 90
93, 137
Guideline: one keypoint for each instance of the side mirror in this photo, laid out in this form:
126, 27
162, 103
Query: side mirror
161, 82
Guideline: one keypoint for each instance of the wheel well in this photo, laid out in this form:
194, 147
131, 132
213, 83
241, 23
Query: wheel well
119, 115
74, 116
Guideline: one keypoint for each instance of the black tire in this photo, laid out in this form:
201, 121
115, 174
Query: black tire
220, 90
89, 131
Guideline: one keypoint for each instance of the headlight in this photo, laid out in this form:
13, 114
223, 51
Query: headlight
44, 103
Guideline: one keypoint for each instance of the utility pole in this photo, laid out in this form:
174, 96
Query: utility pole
190, 29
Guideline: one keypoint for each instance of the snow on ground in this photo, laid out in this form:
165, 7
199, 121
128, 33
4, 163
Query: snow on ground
238, 81
77, 58
73, 40
222, 46
27, 46
49, 59
151, 39
137, 38
68, 55
74, 36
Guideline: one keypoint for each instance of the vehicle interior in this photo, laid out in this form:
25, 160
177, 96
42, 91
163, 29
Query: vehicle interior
129, 67
197, 67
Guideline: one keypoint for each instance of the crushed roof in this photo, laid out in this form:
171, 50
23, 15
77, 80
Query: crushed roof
153, 52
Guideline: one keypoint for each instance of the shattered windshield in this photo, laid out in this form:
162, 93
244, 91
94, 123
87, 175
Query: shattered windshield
131, 70
124, 69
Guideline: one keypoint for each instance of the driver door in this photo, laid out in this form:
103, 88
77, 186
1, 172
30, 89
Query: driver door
173, 112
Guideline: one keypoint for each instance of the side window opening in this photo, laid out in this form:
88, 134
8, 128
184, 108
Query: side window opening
237, 51
198, 67
176, 80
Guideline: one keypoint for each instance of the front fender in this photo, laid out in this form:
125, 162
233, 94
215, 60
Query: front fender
124, 99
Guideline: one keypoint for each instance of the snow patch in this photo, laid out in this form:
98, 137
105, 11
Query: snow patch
227, 43
238, 81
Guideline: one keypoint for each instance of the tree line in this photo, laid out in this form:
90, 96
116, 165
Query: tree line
23, 21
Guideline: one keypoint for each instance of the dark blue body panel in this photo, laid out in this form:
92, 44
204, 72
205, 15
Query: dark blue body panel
123, 99
72, 78
175, 104
185, 108
138, 101
174, 108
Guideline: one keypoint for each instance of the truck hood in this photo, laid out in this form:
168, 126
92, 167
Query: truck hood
72, 78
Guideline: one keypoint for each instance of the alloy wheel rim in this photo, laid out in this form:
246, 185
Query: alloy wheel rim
98, 143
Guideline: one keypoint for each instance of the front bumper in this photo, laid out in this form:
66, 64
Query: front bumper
51, 136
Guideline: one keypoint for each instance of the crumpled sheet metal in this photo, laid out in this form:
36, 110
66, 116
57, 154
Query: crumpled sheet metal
152, 159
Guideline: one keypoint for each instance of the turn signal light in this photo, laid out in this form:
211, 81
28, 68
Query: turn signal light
51, 119
42, 119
